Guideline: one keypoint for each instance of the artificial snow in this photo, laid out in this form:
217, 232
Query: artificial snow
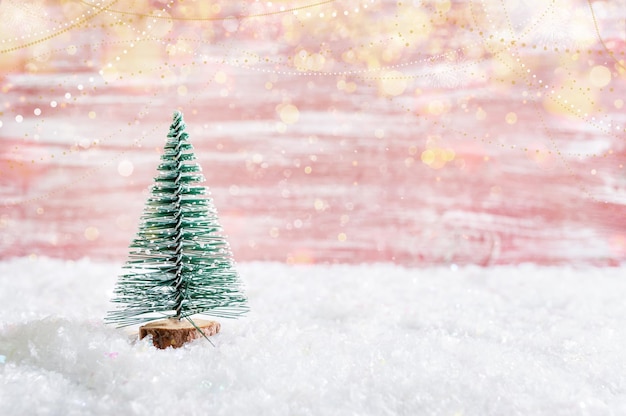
325, 340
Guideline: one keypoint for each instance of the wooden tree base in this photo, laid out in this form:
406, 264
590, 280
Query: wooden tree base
174, 333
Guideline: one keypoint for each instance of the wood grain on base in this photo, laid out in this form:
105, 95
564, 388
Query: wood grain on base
175, 333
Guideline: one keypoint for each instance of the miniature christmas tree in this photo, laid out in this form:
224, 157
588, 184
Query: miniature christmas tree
179, 264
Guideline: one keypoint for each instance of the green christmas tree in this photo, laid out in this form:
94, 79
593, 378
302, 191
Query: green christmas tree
179, 264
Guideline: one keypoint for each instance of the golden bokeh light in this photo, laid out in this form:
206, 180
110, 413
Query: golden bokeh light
392, 83
386, 89
91, 233
600, 76
288, 113
511, 118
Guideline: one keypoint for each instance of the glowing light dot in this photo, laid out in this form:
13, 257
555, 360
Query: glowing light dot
308, 170
19, 118
511, 118
342, 237
593, 171
288, 113
53, 104
92, 115
220, 77
481, 114
125, 168
37, 111
182, 90
599, 76
68, 95
274, 232
379, 133
0, 123
619, 103
428, 156
393, 83
319, 204
109, 73
91, 233
436, 107
39, 210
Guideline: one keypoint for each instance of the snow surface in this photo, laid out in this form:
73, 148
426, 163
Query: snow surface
325, 340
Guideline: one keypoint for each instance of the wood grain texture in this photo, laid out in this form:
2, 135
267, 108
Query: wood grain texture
441, 133
174, 333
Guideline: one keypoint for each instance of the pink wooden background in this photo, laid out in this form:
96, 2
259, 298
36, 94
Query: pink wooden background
426, 132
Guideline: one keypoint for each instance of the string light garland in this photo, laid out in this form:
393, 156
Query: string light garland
428, 65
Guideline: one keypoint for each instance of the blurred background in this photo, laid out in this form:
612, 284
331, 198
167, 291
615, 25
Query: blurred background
431, 132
